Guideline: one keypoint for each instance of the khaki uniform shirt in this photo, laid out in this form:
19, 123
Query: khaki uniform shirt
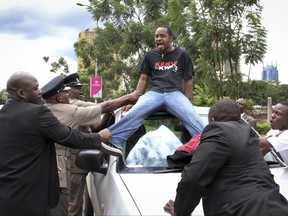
74, 117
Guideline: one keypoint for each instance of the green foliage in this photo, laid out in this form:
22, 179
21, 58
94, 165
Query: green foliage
46, 58
201, 98
216, 33
254, 41
250, 104
119, 47
263, 128
61, 64
3, 96
232, 85
260, 90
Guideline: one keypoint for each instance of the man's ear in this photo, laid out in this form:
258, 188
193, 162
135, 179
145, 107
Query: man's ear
58, 98
211, 119
21, 93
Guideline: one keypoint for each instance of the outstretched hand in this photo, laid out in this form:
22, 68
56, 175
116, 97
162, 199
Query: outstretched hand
169, 207
134, 96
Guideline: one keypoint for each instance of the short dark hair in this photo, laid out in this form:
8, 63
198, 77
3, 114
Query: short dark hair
225, 110
169, 30
285, 103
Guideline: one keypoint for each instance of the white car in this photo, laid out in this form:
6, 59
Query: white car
118, 187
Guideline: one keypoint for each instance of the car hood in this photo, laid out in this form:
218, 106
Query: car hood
155, 190
281, 178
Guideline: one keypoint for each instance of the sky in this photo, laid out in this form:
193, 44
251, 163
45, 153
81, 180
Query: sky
273, 19
32, 29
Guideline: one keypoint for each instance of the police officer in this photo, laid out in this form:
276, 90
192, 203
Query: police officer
77, 116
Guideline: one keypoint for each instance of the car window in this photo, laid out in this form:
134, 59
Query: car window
158, 137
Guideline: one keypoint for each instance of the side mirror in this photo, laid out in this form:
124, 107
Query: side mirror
92, 160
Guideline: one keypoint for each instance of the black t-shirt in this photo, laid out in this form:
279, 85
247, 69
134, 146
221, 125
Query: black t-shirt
167, 70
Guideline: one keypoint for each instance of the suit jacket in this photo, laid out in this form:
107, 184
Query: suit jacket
229, 173
250, 120
29, 182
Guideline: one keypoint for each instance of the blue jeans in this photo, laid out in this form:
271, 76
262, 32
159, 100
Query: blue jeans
175, 103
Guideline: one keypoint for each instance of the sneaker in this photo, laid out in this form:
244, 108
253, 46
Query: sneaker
110, 150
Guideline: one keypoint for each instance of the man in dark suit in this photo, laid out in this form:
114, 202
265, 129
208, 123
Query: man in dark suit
242, 103
228, 171
29, 183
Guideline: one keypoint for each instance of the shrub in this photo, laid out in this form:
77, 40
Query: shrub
263, 128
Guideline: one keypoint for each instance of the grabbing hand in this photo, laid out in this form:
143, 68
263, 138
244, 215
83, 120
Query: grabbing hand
169, 207
105, 135
134, 96
264, 145
126, 107
59, 169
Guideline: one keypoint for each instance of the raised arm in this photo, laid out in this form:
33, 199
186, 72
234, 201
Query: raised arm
111, 105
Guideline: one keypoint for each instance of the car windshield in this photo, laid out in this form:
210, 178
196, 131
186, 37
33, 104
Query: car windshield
154, 141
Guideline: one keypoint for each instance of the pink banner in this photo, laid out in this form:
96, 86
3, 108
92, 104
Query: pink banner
96, 87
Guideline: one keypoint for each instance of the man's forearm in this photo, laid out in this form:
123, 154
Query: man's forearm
265, 145
188, 89
114, 104
141, 85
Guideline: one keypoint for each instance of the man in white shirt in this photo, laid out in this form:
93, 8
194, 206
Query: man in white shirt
277, 137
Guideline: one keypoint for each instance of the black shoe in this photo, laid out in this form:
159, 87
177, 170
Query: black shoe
110, 150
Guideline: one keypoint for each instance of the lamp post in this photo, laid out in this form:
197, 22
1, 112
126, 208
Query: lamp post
80, 4
96, 62
96, 65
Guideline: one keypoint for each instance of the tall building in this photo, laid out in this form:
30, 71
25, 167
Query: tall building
270, 72
87, 35
227, 68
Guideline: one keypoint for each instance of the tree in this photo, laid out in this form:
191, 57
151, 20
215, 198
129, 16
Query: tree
260, 90
223, 31
216, 33
119, 47
61, 64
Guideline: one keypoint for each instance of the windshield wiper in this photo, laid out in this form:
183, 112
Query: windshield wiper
277, 157
169, 170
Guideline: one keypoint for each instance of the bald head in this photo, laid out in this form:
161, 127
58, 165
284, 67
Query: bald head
23, 86
242, 103
17, 80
